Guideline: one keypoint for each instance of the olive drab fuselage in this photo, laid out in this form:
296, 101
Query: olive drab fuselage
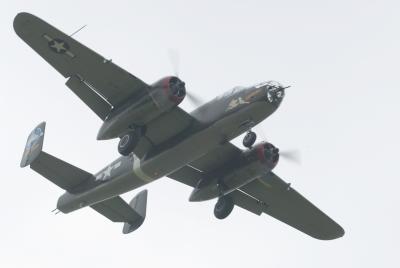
219, 121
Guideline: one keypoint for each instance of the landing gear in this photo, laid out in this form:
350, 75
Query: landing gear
249, 139
129, 141
223, 207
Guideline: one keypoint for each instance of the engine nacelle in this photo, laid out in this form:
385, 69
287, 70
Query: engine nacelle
162, 96
255, 162
265, 153
168, 92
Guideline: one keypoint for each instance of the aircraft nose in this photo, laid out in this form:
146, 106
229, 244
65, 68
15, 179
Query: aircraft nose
275, 94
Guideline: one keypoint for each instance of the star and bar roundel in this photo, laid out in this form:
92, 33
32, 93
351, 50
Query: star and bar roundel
58, 46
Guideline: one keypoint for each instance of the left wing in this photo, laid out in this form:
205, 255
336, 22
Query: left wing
104, 85
98, 82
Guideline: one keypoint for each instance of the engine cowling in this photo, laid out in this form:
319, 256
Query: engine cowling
162, 96
168, 92
254, 162
265, 153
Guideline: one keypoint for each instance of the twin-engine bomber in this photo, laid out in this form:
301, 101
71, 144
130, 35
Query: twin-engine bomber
159, 139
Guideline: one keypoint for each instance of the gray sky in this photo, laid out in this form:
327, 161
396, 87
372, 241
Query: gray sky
342, 60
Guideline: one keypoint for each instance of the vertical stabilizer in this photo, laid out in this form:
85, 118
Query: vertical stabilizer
34, 145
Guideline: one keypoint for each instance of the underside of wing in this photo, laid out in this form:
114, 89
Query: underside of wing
112, 85
285, 204
192, 173
268, 194
164, 131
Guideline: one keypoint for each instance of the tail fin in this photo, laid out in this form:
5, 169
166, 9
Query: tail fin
34, 145
61, 173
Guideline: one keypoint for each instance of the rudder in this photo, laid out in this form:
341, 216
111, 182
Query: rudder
34, 145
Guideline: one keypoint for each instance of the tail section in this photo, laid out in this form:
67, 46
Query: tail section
61, 173
34, 145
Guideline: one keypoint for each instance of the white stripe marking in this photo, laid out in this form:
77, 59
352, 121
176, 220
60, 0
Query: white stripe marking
138, 171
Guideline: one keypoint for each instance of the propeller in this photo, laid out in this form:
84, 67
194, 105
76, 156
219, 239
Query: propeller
194, 99
291, 155
174, 58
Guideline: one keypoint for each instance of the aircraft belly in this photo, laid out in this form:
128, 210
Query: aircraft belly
132, 172
185, 152
125, 179
202, 142
241, 121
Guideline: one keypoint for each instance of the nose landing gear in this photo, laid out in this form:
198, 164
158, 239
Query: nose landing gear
249, 139
223, 207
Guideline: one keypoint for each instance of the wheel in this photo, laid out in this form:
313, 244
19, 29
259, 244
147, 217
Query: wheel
249, 139
223, 207
128, 142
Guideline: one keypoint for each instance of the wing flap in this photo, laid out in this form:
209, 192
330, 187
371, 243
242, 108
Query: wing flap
186, 175
247, 202
95, 102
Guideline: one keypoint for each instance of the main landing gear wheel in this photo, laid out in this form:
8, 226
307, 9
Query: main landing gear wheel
249, 139
223, 207
128, 142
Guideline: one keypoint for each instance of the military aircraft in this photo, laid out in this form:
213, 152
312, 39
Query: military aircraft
159, 139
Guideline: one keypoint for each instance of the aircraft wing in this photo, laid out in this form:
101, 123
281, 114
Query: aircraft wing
100, 83
217, 157
164, 128
269, 194
285, 204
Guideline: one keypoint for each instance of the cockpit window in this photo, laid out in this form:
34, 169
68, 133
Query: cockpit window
269, 84
275, 94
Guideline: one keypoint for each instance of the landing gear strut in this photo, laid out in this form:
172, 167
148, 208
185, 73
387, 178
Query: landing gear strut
249, 139
223, 207
129, 141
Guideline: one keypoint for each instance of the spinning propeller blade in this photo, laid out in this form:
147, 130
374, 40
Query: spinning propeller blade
291, 155
174, 58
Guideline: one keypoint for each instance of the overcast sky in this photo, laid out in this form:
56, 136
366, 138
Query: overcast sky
341, 59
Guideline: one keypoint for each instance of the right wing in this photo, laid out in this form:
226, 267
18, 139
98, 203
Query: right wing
285, 204
103, 85
269, 194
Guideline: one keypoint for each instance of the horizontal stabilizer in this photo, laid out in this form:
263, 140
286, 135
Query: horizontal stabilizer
61, 173
117, 210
